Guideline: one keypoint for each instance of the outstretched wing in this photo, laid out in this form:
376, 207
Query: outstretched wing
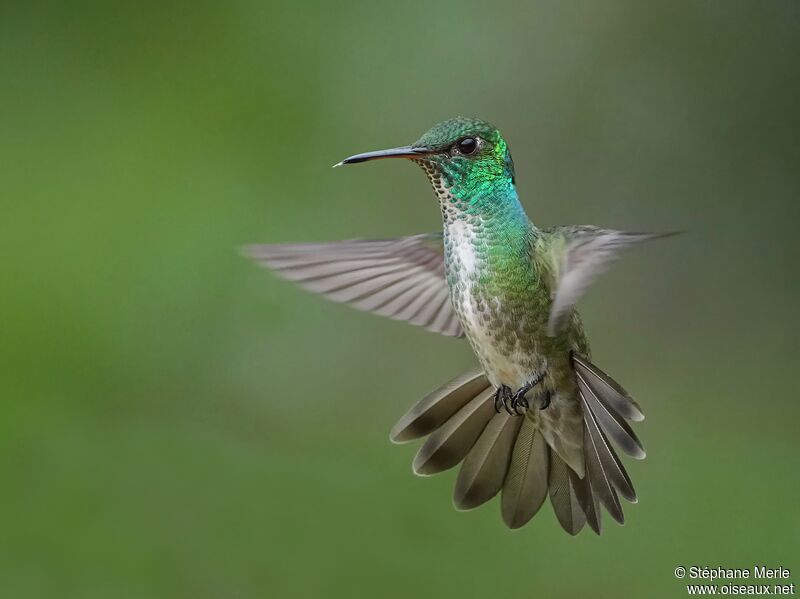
400, 278
581, 254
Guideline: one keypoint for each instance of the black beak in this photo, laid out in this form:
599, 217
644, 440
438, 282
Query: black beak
404, 152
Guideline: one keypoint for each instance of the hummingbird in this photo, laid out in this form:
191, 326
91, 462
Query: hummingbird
537, 418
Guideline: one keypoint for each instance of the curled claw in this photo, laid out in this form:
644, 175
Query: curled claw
501, 398
515, 404
519, 401
545, 400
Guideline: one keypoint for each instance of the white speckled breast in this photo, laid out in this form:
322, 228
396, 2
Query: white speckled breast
488, 324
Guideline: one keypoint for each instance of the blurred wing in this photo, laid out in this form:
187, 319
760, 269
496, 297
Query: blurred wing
587, 253
400, 278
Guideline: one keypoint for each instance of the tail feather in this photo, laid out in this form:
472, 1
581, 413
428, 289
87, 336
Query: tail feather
525, 487
608, 459
484, 469
514, 455
434, 409
589, 503
451, 442
611, 422
607, 388
563, 488
602, 487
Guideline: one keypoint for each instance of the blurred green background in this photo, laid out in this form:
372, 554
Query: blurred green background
176, 422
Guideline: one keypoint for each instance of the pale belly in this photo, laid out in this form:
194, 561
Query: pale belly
483, 315
507, 354
503, 313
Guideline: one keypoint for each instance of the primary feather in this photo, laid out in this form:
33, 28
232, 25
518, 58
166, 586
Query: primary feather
586, 253
400, 278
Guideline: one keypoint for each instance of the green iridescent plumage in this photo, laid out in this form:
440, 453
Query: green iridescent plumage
510, 288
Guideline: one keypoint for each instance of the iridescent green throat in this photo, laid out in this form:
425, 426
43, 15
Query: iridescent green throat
479, 187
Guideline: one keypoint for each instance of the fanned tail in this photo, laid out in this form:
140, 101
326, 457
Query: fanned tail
503, 454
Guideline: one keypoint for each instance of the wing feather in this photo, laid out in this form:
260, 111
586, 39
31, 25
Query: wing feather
584, 254
400, 278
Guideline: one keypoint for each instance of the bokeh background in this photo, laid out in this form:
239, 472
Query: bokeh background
176, 422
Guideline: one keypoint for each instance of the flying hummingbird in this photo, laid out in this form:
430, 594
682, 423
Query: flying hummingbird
537, 418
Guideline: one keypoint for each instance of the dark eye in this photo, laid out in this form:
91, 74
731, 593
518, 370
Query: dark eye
467, 145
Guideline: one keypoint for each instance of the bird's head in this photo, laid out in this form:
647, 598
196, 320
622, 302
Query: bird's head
464, 158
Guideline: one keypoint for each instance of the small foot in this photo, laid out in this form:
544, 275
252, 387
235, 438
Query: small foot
502, 399
515, 403
518, 402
